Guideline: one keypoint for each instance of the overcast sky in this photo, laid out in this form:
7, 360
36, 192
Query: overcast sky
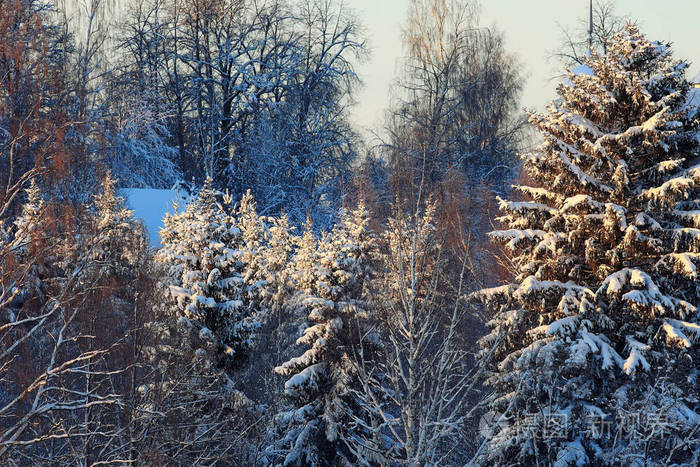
531, 31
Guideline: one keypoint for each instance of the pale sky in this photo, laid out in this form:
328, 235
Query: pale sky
531, 32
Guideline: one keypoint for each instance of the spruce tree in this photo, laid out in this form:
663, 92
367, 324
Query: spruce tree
594, 345
27, 245
202, 247
253, 239
279, 290
119, 239
319, 427
305, 259
279, 266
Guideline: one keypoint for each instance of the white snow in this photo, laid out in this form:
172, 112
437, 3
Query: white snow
684, 264
689, 216
150, 205
677, 330
599, 344
636, 357
513, 237
309, 376
564, 326
524, 206
573, 453
669, 192
575, 170
576, 202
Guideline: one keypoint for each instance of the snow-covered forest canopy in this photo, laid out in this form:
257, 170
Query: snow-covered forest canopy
483, 287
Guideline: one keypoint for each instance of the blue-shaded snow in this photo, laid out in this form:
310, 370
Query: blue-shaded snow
150, 205
580, 69
583, 69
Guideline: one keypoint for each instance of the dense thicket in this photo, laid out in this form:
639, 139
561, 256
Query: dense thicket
66, 345
112, 352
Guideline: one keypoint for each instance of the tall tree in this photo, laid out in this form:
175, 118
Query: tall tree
34, 114
149, 69
318, 428
458, 95
253, 93
186, 410
593, 343
202, 249
414, 392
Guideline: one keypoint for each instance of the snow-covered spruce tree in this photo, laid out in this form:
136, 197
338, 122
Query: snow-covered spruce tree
119, 239
253, 236
279, 289
187, 409
305, 259
595, 343
289, 274
27, 242
202, 246
318, 428
279, 253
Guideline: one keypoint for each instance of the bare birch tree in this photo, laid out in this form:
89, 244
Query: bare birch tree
415, 392
459, 91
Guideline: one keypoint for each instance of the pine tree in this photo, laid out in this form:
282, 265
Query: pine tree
318, 429
202, 246
595, 343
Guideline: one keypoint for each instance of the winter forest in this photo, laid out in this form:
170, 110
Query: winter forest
484, 286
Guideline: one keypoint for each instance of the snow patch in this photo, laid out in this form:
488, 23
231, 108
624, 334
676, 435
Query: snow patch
150, 205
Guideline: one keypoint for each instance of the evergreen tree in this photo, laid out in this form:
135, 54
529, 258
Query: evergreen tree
188, 412
28, 242
202, 246
279, 290
305, 259
279, 265
319, 428
595, 343
119, 239
253, 240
